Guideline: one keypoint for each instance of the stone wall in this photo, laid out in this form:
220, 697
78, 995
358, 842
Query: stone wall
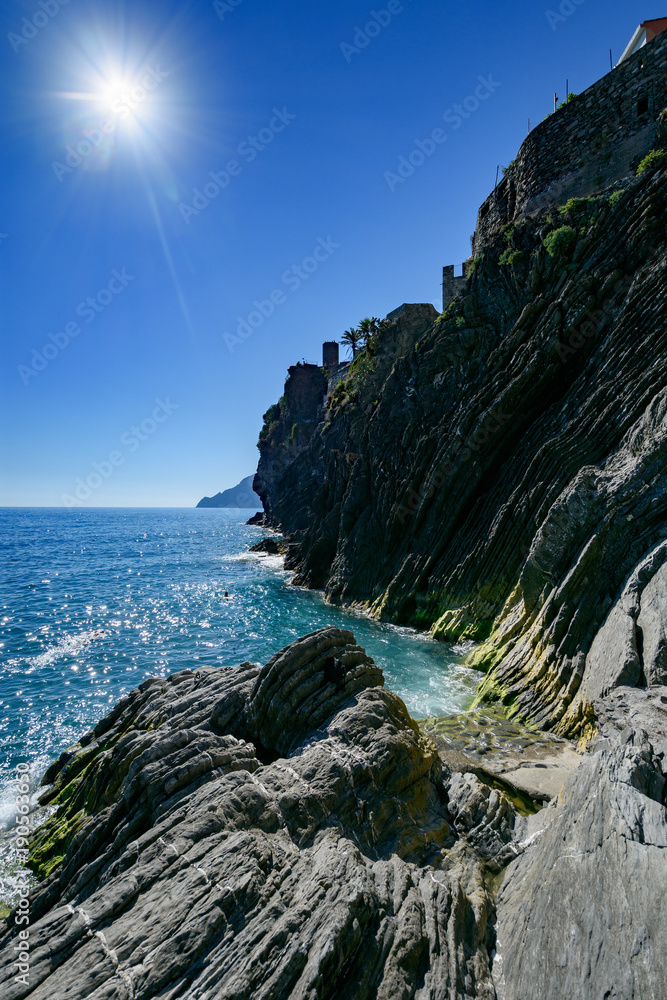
304, 390
337, 376
414, 311
595, 140
452, 286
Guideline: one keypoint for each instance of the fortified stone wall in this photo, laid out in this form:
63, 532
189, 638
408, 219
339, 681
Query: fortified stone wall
597, 139
304, 390
337, 376
454, 286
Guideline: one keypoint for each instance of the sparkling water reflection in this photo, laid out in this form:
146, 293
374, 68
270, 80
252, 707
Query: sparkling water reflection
94, 601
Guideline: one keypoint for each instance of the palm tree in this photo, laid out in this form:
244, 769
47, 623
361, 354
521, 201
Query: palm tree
366, 329
351, 338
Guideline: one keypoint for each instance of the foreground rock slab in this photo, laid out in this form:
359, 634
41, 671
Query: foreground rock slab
288, 831
255, 832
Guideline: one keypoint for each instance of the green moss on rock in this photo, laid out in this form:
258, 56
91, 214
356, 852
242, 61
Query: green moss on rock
49, 843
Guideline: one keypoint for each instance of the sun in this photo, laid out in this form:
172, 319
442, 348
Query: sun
114, 93
124, 98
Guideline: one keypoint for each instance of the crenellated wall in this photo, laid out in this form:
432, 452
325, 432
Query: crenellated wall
595, 140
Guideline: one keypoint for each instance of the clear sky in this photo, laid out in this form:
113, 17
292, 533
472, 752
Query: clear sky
125, 295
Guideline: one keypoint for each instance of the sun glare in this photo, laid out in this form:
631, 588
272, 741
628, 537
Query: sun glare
113, 92
127, 98
118, 110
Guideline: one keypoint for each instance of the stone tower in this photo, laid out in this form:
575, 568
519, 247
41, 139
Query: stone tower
330, 356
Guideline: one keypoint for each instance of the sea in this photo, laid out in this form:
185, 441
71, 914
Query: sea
93, 601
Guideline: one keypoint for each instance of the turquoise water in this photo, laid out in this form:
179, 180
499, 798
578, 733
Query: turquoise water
95, 601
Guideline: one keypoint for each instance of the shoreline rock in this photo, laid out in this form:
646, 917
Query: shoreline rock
270, 547
289, 830
582, 912
186, 860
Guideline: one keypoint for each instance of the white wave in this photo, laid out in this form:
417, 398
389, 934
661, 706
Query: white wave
69, 646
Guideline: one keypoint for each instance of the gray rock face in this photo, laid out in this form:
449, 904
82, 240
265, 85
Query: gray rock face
638, 708
652, 621
318, 861
287, 831
582, 912
631, 646
485, 817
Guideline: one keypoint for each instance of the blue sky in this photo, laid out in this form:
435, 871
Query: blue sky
122, 290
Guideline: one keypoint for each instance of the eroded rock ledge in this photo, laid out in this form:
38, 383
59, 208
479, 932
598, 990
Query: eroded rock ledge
288, 831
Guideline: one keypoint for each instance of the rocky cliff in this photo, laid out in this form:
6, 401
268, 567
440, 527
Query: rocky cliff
499, 472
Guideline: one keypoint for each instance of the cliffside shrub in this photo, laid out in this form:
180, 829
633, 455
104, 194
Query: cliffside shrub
448, 312
563, 104
616, 197
509, 257
358, 361
272, 414
559, 242
574, 204
651, 160
271, 420
582, 207
460, 323
339, 396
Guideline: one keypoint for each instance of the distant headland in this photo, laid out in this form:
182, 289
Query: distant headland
241, 495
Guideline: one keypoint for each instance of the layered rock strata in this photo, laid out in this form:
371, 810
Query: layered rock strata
318, 860
500, 474
288, 831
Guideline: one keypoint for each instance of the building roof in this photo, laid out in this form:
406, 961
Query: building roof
645, 32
